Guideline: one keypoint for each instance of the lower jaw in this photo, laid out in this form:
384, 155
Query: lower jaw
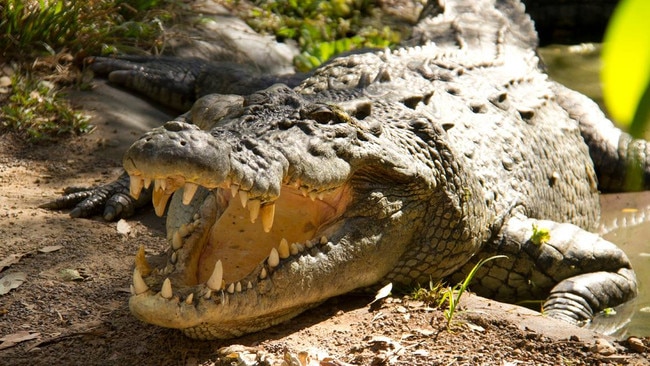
209, 331
204, 301
222, 315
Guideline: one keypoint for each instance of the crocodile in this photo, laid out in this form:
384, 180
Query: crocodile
395, 166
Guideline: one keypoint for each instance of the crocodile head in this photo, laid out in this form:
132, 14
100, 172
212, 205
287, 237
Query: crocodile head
281, 203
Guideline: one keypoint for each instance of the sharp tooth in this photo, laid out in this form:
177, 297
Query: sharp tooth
174, 258
207, 294
160, 183
250, 285
304, 191
177, 240
238, 287
146, 182
139, 286
268, 213
312, 196
243, 197
263, 274
159, 200
309, 244
141, 262
234, 188
215, 281
254, 209
323, 239
189, 298
166, 290
296, 248
274, 258
231, 288
131, 289
135, 186
188, 192
283, 249
182, 231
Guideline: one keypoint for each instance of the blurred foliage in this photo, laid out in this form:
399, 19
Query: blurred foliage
37, 112
626, 66
35, 30
322, 29
35, 27
42, 43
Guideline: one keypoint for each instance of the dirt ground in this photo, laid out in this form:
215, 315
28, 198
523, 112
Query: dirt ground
72, 278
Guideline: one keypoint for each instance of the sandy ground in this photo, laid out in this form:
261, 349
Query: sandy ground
71, 305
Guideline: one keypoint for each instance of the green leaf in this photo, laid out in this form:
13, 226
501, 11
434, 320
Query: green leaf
540, 235
626, 64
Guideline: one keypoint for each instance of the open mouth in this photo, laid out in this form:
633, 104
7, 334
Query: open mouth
233, 241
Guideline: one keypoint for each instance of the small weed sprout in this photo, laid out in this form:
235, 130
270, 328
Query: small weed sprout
540, 235
609, 312
431, 295
452, 296
449, 297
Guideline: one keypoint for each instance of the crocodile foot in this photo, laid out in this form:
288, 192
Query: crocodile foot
111, 200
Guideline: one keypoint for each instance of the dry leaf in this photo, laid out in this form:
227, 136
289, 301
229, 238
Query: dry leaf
11, 340
50, 248
11, 281
11, 259
474, 327
69, 274
123, 227
383, 292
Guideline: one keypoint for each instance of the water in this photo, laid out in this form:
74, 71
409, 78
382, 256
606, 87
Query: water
625, 217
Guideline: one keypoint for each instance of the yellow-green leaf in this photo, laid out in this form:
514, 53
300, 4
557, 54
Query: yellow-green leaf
626, 59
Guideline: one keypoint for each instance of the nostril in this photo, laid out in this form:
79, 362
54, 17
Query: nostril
183, 142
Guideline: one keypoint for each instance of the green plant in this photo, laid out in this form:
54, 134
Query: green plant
36, 27
540, 235
452, 295
626, 66
431, 295
609, 311
45, 38
36, 110
322, 29
447, 296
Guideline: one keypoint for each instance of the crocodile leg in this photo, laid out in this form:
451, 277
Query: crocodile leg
622, 162
177, 83
576, 273
112, 198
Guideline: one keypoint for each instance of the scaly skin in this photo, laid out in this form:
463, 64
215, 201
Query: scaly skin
405, 167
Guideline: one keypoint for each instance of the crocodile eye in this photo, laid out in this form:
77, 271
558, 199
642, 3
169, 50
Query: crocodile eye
320, 113
256, 98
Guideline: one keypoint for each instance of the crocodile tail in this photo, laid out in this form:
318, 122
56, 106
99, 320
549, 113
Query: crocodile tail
475, 24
